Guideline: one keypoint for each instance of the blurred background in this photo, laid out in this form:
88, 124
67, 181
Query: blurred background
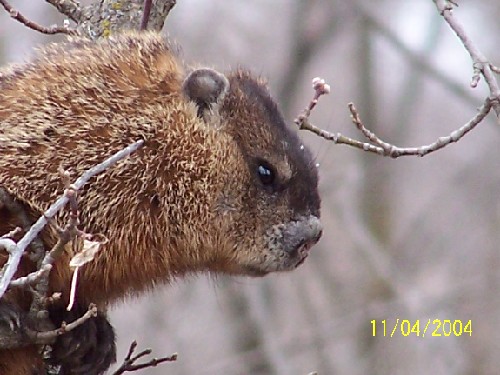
412, 238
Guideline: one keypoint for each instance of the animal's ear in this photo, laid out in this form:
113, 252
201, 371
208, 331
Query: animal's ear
207, 88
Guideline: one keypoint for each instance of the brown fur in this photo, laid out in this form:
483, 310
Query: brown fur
190, 200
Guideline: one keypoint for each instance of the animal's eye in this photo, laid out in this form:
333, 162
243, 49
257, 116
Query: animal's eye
266, 174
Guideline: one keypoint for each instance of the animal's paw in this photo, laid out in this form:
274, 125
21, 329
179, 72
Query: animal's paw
11, 317
13, 325
89, 349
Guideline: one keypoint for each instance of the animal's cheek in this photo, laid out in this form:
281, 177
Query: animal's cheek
226, 204
251, 260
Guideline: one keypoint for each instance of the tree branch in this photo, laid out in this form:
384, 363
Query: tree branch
129, 361
103, 18
15, 256
480, 64
33, 25
17, 336
377, 145
70, 8
482, 67
47, 337
380, 147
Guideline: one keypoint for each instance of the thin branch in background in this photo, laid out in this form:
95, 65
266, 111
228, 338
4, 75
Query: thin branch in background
302, 121
481, 65
414, 58
15, 257
375, 144
395, 152
310, 35
129, 361
70, 8
482, 68
146, 13
33, 25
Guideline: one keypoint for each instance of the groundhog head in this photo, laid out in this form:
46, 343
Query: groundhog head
270, 200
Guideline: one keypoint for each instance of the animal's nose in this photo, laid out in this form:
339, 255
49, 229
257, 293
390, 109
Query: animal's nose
317, 238
303, 231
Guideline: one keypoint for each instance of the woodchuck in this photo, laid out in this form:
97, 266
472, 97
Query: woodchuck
221, 184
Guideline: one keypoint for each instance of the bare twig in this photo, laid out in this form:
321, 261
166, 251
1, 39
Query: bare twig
387, 149
40, 287
482, 68
377, 145
47, 337
480, 64
33, 25
32, 278
15, 257
19, 336
70, 230
13, 233
129, 361
8, 245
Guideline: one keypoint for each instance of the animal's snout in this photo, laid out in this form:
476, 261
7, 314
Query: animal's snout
302, 234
